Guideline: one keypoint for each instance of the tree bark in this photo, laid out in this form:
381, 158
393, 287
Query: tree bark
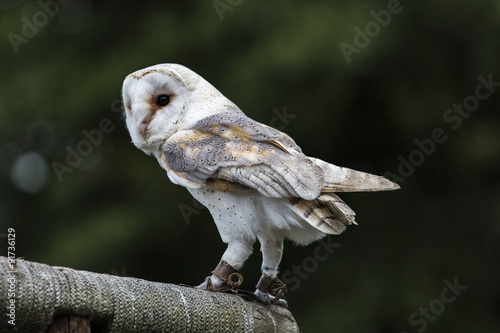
42, 298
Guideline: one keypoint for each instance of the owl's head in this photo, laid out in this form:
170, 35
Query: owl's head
163, 99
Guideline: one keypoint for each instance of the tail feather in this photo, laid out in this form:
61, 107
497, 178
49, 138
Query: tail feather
328, 213
340, 179
338, 207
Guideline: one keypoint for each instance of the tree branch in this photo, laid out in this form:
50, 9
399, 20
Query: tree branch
38, 293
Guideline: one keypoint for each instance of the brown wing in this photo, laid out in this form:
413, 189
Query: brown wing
234, 148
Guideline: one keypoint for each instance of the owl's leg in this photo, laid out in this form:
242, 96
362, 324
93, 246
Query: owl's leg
270, 289
226, 275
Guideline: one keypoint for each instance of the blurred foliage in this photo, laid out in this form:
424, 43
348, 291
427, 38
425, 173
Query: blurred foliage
117, 212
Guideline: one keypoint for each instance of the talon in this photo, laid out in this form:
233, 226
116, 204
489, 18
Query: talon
204, 284
263, 296
224, 278
214, 283
271, 290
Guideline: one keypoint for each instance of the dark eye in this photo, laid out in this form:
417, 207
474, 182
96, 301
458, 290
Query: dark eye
163, 100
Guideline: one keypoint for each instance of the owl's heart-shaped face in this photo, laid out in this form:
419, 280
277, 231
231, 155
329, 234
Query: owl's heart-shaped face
163, 99
155, 100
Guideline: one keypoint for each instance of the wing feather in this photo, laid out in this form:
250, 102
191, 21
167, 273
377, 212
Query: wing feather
232, 147
238, 149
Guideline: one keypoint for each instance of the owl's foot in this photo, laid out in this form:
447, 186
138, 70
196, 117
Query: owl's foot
271, 291
224, 278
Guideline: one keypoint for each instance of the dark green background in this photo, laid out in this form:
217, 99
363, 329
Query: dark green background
118, 213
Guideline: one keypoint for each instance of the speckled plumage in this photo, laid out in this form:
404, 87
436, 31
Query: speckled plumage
254, 179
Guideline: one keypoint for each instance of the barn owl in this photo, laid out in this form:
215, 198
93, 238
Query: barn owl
254, 179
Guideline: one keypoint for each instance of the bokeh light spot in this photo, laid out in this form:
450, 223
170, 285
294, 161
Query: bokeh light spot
30, 172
